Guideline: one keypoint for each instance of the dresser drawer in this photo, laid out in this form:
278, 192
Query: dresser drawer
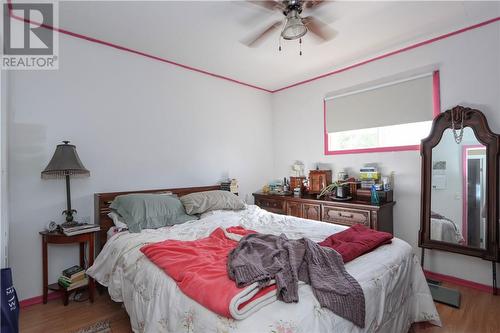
311, 211
346, 216
271, 205
294, 209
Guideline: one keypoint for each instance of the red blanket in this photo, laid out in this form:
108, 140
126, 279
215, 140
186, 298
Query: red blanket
356, 241
200, 270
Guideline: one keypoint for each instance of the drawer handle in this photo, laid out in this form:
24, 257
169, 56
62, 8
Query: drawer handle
349, 216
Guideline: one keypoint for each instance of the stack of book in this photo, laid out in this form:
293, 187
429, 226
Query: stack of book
75, 228
368, 176
72, 278
225, 185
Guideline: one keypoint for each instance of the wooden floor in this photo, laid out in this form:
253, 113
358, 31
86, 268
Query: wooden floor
53, 317
479, 313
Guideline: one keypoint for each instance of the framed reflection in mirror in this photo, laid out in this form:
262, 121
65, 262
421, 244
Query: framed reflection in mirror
458, 190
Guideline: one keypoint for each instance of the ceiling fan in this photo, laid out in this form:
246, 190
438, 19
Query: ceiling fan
293, 26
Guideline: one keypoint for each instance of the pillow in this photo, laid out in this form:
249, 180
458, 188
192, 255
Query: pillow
117, 220
149, 211
200, 202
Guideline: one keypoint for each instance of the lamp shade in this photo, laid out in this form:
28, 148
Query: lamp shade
294, 27
65, 162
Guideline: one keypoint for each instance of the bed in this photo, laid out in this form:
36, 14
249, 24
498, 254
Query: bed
445, 230
395, 289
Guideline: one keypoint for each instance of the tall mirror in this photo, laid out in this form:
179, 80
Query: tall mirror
458, 190
459, 204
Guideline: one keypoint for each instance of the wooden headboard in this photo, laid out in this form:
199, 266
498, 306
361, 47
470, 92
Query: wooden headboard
103, 200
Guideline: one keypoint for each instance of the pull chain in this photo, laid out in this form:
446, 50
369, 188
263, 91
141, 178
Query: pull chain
458, 137
279, 43
300, 46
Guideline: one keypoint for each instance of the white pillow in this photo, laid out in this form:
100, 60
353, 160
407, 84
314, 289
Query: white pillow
116, 220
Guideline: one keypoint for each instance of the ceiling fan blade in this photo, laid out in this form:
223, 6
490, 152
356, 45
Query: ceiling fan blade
319, 28
268, 4
314, 3
256, 39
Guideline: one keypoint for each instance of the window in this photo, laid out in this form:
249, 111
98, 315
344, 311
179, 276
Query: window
390, 116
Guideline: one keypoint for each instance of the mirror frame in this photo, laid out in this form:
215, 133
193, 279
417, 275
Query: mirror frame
476, 120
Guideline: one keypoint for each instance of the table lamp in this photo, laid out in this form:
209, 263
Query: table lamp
65, 163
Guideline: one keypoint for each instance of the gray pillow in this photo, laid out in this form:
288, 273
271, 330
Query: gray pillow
201, 202
149, 211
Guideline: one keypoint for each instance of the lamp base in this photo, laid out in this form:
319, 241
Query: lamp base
69, 211
69, 214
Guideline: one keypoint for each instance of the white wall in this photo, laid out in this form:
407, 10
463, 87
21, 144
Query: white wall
137, 124
470, 75
4, 225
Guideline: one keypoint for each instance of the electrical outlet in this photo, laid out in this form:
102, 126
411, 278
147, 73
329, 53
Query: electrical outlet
86, 219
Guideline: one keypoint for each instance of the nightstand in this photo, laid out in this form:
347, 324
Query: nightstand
60, 238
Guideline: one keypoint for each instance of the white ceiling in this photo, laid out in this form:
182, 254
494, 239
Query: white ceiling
207, 34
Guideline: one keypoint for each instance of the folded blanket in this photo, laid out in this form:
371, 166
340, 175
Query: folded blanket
260, 258
356, 241
200, 270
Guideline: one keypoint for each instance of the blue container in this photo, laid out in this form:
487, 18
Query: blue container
374, 198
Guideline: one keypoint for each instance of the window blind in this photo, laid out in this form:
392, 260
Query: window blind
399, 102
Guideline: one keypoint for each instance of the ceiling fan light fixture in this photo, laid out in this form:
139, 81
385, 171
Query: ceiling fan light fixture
294, 27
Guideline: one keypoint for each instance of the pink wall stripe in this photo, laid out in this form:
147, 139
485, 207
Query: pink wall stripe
389, 54
222, 77
373, 150
436, 93
39, 299
126, 49
459, 282
325, 131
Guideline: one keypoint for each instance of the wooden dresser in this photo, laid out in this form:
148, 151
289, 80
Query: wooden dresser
378, 217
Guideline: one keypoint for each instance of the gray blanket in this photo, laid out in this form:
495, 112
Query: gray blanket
260, 258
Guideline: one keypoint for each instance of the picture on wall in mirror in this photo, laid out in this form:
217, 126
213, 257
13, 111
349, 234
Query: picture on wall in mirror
439, 175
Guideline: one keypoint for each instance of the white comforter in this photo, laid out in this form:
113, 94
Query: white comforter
395, 289
446, 231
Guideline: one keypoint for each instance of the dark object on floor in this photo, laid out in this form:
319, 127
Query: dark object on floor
445, 295
81, 296
10, 304
434, 282
99, 327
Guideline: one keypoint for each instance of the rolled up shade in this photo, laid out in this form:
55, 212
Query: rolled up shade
400, 102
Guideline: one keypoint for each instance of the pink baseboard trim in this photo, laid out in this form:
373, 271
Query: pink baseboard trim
222, 77
458, 281
38, 299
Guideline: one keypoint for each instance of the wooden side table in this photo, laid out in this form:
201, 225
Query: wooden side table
60, 238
